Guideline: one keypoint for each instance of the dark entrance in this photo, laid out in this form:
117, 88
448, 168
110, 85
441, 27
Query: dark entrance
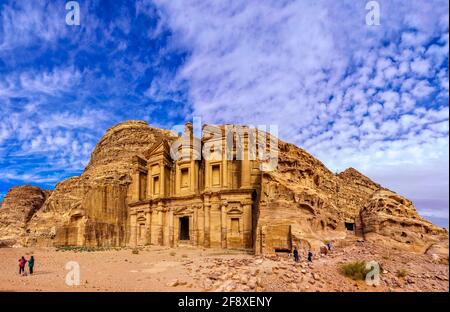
184, 228
349, 226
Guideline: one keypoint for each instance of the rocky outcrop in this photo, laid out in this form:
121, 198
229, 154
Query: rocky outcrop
91, 209
19, 206
305, 199
387, 215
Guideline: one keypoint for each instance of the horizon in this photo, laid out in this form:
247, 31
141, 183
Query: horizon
371, 97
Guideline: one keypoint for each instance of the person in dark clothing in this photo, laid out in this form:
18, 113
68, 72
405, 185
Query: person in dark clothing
310, 256
296, 257
22, 262
31, 264
329, 246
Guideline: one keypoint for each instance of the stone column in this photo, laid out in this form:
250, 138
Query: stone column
133, 238
160, 229
149, 184
224, 164
207, 224
177, 179
245, 164
171, 229
223, 224
192, 175
136, 183
162, 180
148, 227
207, 181
194, 226
200, 225
247, 220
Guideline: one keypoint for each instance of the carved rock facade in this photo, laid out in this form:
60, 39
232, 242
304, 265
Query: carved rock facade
145, 185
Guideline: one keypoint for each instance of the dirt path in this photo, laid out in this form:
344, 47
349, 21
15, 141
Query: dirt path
189, 269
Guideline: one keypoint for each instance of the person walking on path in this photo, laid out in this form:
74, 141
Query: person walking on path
31, 264
22, 262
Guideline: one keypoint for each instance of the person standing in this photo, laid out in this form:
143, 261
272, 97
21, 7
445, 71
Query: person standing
310, 255
31, 264
296, 257
22, 262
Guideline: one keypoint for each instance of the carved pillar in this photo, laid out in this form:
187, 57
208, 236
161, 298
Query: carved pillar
192, 176
223, 224
148, 227
194, 226
136, 184
207, 224
160, 229
162, 182
245, 164
177, 179
133, 241
200, 225
224, 164
207, 181
247, 218
149, 183
171, 230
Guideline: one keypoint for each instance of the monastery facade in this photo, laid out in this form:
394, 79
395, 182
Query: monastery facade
191, 200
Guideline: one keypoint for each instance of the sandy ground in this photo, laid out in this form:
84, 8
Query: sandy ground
190, 269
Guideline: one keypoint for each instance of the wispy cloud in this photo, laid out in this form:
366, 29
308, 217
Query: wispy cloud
353, 95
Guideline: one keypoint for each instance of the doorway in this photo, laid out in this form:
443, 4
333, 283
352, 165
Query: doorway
184, 229
349, 226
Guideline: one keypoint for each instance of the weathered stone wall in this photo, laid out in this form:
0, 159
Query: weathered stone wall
387, 215
19, 206
305, 201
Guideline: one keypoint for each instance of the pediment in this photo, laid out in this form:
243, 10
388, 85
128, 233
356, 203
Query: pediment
160, 147
183, 210
234, 210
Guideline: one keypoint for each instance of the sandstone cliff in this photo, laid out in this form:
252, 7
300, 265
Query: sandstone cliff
301, 196
91, 209
387, 215
19, 206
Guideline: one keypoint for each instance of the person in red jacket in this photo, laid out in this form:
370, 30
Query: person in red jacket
22, 262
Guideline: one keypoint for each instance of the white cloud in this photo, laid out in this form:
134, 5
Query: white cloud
331, 83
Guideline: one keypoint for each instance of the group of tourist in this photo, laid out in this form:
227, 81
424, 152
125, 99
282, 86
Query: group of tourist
23, 262
323, 250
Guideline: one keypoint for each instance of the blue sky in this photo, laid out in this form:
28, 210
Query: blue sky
371, 97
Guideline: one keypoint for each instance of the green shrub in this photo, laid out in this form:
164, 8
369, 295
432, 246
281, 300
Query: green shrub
402, 273
81, 248
355, 270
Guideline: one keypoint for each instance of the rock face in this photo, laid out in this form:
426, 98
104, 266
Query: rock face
393, 216
20, 204
91, 209
301, 203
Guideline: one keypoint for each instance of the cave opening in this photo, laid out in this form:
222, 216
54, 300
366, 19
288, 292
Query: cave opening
349, 226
